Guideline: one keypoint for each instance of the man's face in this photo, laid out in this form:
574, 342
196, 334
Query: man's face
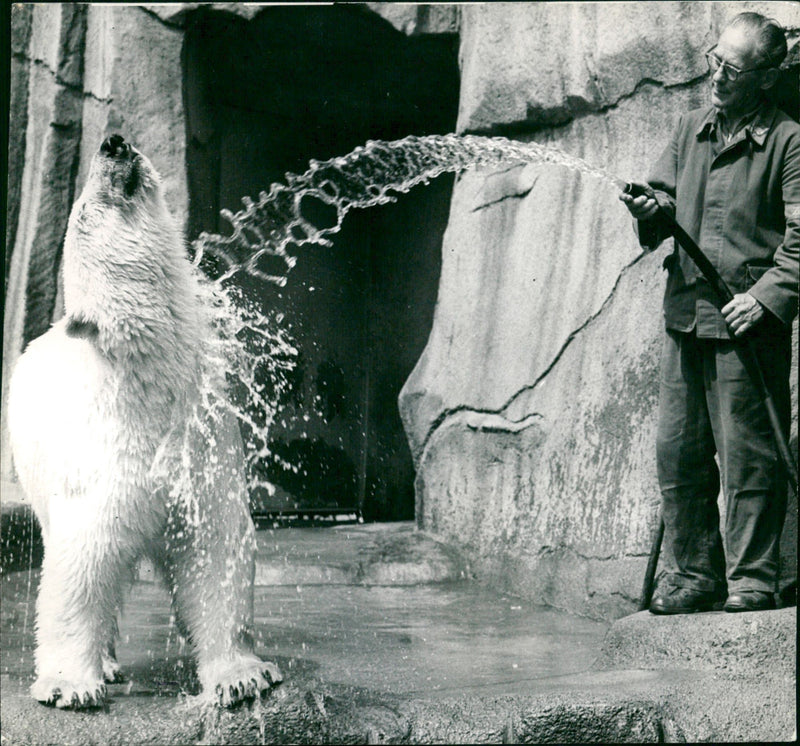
739, 48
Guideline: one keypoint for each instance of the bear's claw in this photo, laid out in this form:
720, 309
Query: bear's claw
64, 695
247, 681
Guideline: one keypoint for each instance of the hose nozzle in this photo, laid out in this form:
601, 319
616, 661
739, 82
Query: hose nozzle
638, 190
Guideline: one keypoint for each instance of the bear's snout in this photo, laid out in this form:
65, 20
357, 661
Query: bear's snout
115, 146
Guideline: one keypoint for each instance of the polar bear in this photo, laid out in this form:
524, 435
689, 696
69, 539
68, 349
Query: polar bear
121, 454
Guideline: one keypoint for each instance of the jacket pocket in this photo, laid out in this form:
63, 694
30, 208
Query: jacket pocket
753, 274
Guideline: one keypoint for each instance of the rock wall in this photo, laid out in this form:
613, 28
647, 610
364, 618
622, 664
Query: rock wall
532, 411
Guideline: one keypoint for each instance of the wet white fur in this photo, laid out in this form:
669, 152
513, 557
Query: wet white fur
116, 458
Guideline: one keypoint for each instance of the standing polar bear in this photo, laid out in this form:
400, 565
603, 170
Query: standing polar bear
124, 453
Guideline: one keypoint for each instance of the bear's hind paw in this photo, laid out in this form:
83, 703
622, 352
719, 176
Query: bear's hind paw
245, 679
68, 695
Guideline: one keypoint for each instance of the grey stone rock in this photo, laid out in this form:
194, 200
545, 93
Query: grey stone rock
21, 23
71, 44
419, 18
545, 63
532, 410
751, 643
630, 722
175, 13
61, 147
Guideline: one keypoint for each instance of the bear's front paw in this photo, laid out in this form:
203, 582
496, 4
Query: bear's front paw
75, 695
231, 682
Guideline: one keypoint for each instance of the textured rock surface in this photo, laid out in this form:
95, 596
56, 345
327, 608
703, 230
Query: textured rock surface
560, 481
545, 63
749, 643
419, 18
410, 18
532, 411
21, 23
175, 13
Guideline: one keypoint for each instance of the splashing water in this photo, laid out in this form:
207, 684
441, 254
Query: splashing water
249, 359
253, 350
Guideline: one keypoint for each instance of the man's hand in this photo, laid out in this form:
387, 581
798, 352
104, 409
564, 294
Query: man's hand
642, 207
742, 312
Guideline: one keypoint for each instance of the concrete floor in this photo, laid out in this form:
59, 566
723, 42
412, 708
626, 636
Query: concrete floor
382, 638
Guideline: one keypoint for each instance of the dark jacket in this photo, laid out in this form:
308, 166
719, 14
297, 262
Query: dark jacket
741, 204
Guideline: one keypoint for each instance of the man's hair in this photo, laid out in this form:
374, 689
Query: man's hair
769, 33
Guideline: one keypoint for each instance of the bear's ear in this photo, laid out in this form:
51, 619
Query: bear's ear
81, 328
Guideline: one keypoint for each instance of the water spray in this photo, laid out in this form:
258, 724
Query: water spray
264, 230
748, 355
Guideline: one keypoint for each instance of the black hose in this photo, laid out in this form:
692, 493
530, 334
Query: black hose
652, 563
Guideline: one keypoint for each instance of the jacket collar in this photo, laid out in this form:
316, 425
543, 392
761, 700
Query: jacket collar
757, 129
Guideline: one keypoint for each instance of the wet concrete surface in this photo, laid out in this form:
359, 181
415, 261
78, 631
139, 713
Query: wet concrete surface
406, 641
446, 661
423, 640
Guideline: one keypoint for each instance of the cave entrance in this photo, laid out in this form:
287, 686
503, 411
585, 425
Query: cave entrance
263, 96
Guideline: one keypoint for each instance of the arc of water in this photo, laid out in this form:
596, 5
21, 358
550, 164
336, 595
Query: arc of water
365, 177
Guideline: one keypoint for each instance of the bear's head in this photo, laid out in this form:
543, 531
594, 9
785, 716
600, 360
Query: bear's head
120, 175
124, 254
121, 214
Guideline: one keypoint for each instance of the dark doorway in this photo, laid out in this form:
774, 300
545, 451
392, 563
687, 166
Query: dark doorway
265, 96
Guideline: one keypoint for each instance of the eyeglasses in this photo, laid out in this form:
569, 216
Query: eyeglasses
731, 72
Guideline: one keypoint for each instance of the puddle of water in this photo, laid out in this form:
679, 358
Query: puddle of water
423, 639
404, 640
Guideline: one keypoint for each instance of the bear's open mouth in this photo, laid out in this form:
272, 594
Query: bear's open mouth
115, 147
132, 182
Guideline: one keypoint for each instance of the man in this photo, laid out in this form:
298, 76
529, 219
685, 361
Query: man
731, 178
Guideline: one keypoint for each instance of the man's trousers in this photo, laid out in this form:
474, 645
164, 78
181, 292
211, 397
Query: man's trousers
708, 404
